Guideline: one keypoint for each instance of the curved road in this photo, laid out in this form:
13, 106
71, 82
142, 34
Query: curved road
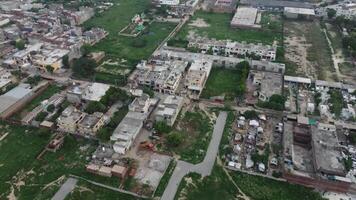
204, 168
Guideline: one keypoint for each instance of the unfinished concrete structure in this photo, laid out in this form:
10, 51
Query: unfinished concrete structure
233, 48
196, 78
169, 109
299, 13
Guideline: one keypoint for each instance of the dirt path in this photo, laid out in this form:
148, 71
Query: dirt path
336, 60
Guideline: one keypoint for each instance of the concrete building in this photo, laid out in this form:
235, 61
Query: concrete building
246, 17
267, 83
294, 80
140, 104
299, 13
196, 77
86, 91
5, 78
169, 109
91, 123
161, 76
127, 131
69, 119
168, 2
16, 98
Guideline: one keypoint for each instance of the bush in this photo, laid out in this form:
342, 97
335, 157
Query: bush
276, 102
162, 127
174, 139
41, 116
250, 114
83, 67
33, 80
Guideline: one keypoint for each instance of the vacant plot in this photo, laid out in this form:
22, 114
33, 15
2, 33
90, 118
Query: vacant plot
217, 25
193, 132
131, 50
224, 82
307, 50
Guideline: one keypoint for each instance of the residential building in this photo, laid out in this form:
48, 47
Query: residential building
69, 119
140, 104
168, 110
196, 77
90, 124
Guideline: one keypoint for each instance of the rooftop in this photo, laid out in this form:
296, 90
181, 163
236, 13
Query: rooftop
245, 16
301, 11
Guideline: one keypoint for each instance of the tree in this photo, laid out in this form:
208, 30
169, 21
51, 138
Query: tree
251, 114
162, 127
65, 61
50, 108
113, 95
95, 106
41, 116
20, 44
331, 13
85, 49
148, 91
49, 69
83, 67
174, 139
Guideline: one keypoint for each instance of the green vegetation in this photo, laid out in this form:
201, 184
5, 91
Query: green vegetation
225, 147
228, 82
191, 141
261, 158
331, 13
347, 68
20, 44
162, 127
165, 179
250, 114
95, 106
336, 101
41, 116
83, 67
275, 102
261, 188
41, 178
220, 29
347, 163
33, 80
216, 186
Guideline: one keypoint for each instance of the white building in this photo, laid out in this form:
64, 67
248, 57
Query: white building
169, 109
169, 2
196, 78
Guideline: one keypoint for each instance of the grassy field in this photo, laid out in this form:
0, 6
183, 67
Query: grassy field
215, 186
260, 188
30, 178
87, 191
219, 28
122, 47
222, 82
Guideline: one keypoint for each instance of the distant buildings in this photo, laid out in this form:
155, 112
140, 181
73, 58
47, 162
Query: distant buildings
168, 2
246, 17
274, 5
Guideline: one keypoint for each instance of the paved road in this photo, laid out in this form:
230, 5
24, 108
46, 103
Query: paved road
65, 189
204, 168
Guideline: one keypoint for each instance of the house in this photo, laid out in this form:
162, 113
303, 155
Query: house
69, 119
196, 77
169, 109
86, 91
91, 123
127, 131
140, 104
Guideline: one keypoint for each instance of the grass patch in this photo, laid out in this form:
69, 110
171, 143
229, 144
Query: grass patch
219, 28
260, 188
346, 68
337, 102
226, 82
215, 186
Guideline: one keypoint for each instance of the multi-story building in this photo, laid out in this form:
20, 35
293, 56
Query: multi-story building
90, 124
169, 109
69, 119
196, 78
